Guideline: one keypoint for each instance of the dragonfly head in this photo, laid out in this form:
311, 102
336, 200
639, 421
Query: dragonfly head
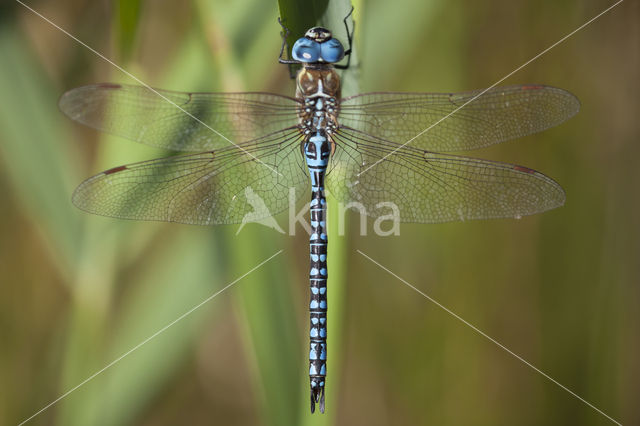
317, 45
318, 34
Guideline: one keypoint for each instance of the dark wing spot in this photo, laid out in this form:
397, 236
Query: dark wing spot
524, 169
114, 170
532, 87
109, 86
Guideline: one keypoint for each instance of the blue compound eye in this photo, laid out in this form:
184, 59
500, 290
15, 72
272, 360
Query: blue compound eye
305, 50
331, 51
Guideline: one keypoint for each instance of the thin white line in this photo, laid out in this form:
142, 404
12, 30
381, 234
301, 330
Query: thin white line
64, 395
148, 87
493, 85
493, 340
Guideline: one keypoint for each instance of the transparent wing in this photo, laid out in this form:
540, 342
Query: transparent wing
217, 120
216, 187
498, 115
428, 187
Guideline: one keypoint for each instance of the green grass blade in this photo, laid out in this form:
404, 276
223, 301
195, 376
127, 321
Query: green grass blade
34, 152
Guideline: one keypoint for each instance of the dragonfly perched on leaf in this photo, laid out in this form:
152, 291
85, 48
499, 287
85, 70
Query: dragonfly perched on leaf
368, 148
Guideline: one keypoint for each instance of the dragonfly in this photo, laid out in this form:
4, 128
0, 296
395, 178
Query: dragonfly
368, 148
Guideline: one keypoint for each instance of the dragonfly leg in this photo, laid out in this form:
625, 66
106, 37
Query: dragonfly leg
347, 52
285, 46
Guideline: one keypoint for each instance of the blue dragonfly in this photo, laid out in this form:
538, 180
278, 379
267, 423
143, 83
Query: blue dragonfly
368, 148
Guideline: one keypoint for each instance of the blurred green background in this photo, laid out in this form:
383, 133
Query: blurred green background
560, 289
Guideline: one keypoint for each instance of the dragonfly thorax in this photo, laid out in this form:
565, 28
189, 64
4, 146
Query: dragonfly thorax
318, 82
319, 91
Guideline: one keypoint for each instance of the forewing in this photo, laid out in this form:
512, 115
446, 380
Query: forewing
428, 187
217, 187
179, 121
498, 115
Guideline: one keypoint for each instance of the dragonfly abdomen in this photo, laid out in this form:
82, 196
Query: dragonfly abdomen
316, 151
